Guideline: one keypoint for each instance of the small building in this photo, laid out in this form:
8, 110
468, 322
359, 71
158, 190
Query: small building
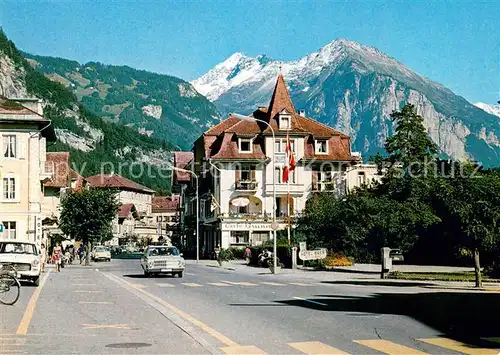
63, 178
132, 219
166, 216
24, 133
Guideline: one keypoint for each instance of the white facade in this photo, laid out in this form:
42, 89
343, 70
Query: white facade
141, 200
22, 171
252, 224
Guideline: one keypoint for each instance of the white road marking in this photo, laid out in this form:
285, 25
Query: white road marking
310, 301
190, 273
164, 285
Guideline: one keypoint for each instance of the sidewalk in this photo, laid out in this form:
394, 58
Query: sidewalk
363, 276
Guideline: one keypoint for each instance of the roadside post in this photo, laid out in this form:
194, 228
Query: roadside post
386, 262
294, 256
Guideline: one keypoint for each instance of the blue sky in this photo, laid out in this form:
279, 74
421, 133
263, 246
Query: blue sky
453, 42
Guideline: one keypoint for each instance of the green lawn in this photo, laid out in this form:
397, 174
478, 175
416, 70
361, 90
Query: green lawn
434, 276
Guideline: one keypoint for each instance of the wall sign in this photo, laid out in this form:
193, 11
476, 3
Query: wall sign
250, 226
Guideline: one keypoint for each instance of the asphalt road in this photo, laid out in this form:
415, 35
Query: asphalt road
111, 308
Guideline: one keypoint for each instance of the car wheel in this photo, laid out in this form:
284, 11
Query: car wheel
180, 274
36, 281
146, 273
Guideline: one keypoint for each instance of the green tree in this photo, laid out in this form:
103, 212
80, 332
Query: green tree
472, 204
410, 145
87, 215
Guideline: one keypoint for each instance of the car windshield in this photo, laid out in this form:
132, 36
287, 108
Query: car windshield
100, 249
163, 251
17, 248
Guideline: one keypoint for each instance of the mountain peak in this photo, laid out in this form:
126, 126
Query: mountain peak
491, 109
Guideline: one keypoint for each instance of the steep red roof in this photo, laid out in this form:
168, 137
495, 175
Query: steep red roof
281, 99
117, 182
181, 160
165, 204
222, 126
58, 163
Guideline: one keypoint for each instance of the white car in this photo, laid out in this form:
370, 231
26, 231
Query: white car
162, 259
24, 256
100, 253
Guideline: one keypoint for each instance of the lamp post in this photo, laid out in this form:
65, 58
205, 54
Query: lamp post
197, 211
248, 118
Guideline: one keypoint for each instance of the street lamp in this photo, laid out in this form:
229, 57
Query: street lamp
248, 118
197, 211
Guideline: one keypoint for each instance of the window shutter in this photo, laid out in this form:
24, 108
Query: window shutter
314, 180
252, 174
20, 147
237, 175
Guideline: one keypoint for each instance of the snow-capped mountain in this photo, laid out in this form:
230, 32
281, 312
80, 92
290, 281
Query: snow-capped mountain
355, 88
491, 109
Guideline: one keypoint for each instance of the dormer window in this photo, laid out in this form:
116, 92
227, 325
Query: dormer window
321, 146
285, 121
245, 145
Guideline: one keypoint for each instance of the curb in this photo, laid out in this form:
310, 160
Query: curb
220, 267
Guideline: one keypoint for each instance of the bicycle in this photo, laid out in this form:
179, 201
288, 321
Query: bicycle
8, 283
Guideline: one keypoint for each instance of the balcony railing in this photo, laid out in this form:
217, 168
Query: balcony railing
253, 216
246, 185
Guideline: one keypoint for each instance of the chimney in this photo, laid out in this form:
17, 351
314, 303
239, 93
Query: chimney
302, 112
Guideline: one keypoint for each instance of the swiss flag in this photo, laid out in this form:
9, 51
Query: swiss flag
290, 159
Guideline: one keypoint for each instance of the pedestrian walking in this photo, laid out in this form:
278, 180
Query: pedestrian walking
57, 256
43, 257
247, 255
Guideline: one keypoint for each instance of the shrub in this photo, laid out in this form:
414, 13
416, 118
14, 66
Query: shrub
225, 255
337, 259
237, 252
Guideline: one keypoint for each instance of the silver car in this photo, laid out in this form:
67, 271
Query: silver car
162, 259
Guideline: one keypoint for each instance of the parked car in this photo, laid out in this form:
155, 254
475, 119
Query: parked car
100, 253
162, 259
396, 255
24, 256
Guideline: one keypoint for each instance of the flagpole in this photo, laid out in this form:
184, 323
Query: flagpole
288, 207
288, 185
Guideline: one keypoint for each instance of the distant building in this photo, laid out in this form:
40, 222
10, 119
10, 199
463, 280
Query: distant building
63, 178
24, 132
182, 186
236, 205
132, 220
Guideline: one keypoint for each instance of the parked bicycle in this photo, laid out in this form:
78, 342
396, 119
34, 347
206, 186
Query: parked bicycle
10, 288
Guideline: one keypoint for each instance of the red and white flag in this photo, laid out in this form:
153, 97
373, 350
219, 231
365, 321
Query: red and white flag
290, 160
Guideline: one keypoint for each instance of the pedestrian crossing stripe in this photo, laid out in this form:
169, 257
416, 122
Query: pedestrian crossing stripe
222, 284
191, 284
241, 283
273, 283
388, 347
316, 347
459, 346
246, 284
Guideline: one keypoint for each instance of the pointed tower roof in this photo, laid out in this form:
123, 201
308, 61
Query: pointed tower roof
281, 99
